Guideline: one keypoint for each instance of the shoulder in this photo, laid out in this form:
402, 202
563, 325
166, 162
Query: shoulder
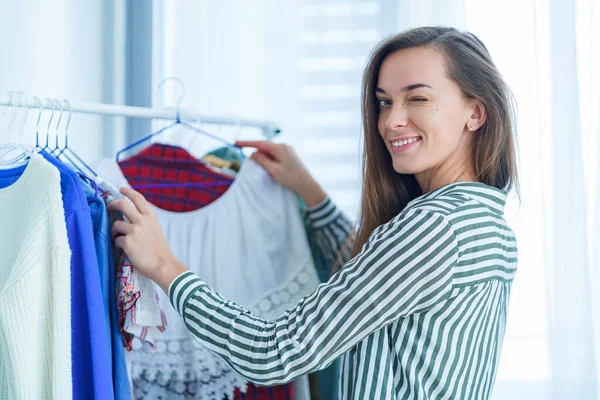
458, 208
440, 209
473, 221
420, 221
448, 212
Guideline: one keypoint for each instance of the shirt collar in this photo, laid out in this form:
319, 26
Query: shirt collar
490, 196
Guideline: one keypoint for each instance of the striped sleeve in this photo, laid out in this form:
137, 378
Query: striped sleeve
329, 229
405, 268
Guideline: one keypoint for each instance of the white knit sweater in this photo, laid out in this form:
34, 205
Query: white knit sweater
35, 325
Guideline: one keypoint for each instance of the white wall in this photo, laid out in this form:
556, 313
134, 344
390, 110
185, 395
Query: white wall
55, 49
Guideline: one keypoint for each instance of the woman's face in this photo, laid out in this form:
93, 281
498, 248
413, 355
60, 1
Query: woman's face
423, 115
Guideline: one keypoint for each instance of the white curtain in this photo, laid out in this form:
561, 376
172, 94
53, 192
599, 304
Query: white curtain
299, 63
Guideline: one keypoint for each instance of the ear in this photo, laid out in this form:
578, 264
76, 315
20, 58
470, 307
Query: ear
477, 118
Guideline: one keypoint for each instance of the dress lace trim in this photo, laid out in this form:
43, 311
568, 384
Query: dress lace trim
185, 369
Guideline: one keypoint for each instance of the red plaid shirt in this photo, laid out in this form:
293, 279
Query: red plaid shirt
281, 392
162, 163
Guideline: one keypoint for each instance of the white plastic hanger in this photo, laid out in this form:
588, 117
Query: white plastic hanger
15, 154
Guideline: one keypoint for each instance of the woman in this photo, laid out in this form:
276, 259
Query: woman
419, 311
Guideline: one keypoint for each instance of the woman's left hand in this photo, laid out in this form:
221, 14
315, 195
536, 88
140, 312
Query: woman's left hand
142, 239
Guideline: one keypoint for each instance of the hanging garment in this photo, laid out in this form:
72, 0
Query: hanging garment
101, 228
161, 161
251, 246
277, 392
90, 342
324, 262
91, 347
139, 314
35, 327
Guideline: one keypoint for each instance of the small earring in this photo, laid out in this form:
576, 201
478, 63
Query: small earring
470, 128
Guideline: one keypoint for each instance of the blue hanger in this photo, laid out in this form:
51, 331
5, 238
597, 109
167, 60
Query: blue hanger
66, 151
190, 184
179, 122
47, 146
60, 116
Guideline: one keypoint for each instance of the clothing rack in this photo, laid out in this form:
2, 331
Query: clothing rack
269, 129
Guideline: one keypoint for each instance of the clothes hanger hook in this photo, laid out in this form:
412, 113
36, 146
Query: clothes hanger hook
10, 94
37, 124
181, 86
13, 125
66, 103
26, 106
239, 127
50, 103
61, 104
2, 110
50, 120
69, 116
60, 117
13, 109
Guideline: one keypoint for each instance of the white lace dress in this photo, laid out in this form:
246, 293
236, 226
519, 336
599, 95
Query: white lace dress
249, 245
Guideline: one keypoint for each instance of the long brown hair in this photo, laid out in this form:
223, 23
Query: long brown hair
385, 193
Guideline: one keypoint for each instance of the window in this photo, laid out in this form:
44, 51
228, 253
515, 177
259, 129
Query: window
297, 63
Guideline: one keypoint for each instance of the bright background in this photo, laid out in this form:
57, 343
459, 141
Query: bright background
299, 63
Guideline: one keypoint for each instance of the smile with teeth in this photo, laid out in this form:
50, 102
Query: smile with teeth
404, 142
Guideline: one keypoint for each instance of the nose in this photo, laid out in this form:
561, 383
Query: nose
397, 118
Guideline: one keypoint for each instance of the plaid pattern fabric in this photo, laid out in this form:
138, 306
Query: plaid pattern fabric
160, 164
281, 392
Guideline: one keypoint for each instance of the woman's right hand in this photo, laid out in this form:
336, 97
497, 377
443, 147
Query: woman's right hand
284, 166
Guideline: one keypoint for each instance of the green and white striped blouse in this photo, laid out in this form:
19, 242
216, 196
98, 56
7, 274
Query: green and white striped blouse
420, 313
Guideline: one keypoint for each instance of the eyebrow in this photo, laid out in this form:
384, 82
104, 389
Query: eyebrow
407, 88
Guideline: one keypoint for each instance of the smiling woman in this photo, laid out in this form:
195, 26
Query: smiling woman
440, 89
419, 312
431, 120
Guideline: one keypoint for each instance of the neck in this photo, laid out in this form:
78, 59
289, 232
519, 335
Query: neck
434, 179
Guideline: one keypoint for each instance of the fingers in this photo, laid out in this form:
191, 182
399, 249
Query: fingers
125, 207
121, 242
120, 228
265, 161
137, 198
273, 149
263, 145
